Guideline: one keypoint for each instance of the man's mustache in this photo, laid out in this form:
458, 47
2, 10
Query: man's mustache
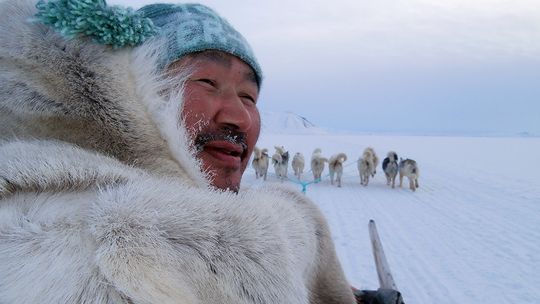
232, 136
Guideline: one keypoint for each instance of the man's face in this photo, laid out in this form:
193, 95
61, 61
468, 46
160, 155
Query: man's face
221, 115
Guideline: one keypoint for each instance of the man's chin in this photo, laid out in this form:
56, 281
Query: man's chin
223, 175
226, 184
227, 179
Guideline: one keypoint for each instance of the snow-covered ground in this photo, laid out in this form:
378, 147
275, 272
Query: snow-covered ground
469, 234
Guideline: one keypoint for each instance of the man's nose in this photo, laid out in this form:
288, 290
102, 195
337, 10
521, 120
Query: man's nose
234, 113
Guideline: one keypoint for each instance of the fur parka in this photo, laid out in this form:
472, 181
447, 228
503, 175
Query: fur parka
102, 201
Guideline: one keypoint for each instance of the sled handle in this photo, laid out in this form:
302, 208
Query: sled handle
386, 281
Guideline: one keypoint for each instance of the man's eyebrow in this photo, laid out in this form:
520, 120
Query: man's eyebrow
226, 61
216, 57
250, 76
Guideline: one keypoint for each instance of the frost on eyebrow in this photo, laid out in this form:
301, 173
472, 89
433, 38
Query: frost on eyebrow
225, 60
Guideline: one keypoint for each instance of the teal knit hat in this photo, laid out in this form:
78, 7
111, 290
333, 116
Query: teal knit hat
188, 28
191, 28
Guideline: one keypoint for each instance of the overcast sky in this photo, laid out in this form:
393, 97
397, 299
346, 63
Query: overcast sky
413, 66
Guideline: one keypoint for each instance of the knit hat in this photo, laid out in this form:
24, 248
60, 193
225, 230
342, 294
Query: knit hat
191, 28
188, 28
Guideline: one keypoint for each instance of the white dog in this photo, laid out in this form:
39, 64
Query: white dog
374, 159
409, 168
298, 164
390, 168
335, 165
260, 162
366, 166
280, 160
317, 164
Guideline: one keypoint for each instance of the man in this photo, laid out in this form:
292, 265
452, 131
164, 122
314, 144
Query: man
123, 146
222, 91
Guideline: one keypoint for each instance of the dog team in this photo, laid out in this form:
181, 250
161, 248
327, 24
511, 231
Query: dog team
367, 166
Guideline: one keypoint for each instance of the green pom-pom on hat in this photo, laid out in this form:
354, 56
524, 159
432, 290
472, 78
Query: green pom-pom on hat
112, 25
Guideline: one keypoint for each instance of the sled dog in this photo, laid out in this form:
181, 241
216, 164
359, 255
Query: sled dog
298, 165
335, 166
374, 159
409, 168
317, 164
366, 166
390, 168
280, 160
260, 162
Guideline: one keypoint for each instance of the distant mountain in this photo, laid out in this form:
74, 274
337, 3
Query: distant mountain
526, 134
288, 122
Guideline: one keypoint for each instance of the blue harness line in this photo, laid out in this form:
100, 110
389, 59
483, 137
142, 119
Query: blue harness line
305, 184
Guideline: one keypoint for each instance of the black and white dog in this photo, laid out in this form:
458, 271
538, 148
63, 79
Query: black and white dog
390, 167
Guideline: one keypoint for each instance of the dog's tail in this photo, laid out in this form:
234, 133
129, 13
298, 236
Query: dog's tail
285, 157
341, 157
280, 149
300, 157
392, 156
367, 154
364, 164
371, 150
337, 159
257, 153
276, 159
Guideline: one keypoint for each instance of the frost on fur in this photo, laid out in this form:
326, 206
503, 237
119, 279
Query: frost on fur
165, 105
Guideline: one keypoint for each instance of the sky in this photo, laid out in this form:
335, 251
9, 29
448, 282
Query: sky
397, 66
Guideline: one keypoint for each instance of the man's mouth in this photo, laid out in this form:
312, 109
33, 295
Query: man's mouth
227, 146
228, 154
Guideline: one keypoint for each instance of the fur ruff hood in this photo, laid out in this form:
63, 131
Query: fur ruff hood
102, 201
90, 95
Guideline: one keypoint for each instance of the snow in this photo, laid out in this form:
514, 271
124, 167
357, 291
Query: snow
469, 234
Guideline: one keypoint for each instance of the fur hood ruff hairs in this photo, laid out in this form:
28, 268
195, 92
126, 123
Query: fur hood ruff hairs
102, 201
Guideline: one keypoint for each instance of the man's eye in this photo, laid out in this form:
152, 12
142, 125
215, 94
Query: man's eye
249, 98
207, 81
